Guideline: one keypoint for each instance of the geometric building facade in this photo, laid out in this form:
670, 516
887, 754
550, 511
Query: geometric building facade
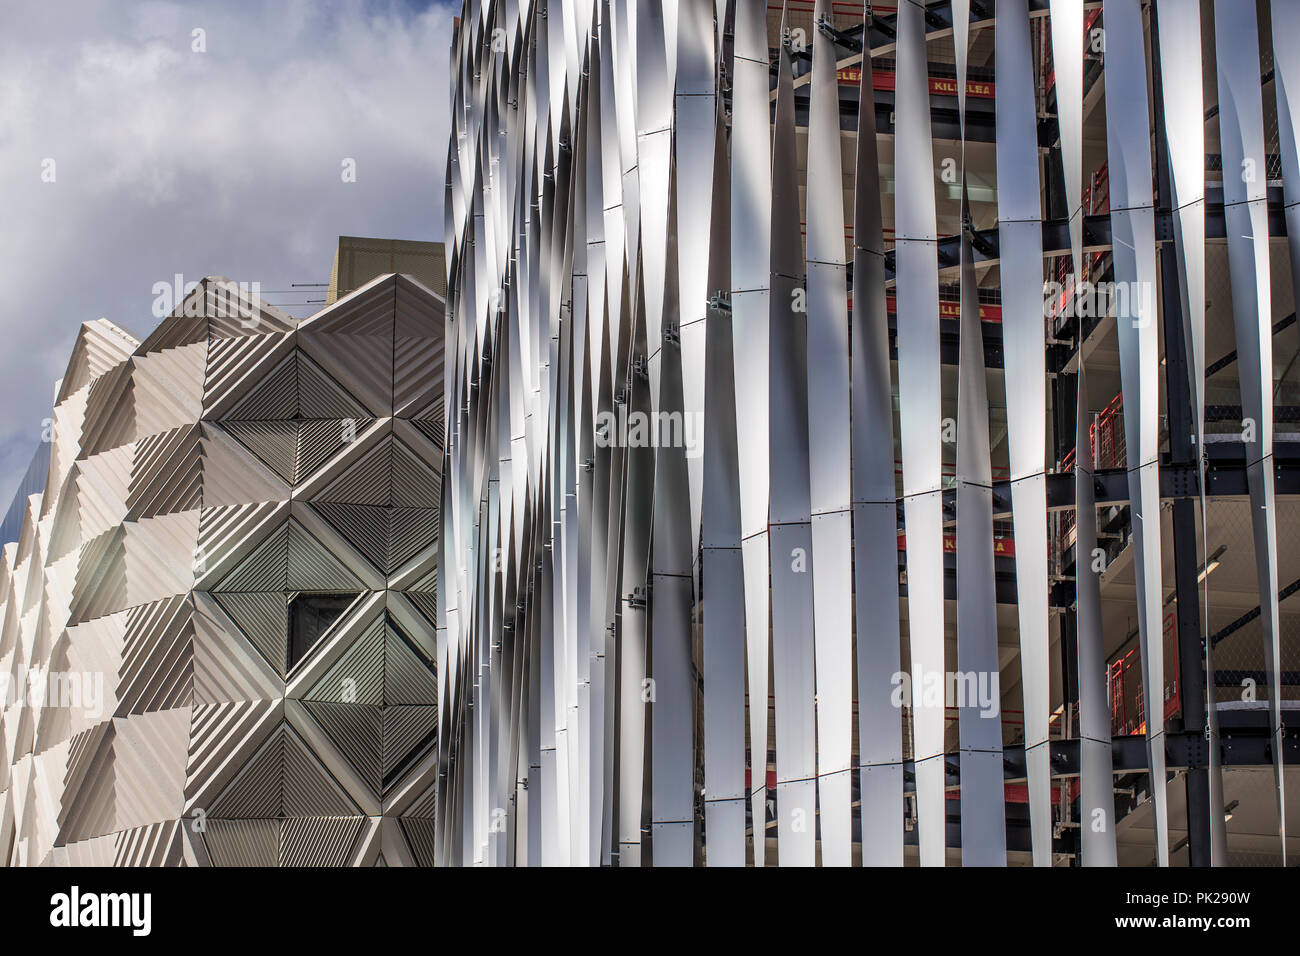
871, 434
217, 644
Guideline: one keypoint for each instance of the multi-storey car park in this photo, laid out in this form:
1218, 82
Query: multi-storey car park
870, 436
983, 312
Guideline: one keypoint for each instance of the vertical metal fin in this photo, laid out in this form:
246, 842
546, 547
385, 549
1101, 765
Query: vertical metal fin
725, 797
920, 409
1096, 781
1021, 252
672, 693
983, 811
1286, 85
875, 510
792, 559
828, 438
1184, 119
1132, 218
751, 217
1245, 210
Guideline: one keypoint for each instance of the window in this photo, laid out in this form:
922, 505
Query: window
310, 616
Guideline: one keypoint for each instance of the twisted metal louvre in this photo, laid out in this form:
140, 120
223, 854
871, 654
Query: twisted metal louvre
623, 226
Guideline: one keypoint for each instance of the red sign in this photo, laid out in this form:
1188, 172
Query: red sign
948, 309
939, 85
1002, 547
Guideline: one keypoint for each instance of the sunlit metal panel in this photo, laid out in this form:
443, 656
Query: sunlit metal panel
1179, 23
751, 262
828, 449
983, 813
1096, 781
792, 559
1286, 86
920, 410
1021, 254
1245, 202
1132, 218
875, 514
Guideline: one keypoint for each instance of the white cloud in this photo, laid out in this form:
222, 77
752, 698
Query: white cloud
221, 162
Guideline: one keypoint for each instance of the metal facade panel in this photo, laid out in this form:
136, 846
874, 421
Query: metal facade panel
721, 563
1286, 87
1179, 24
1184, 116
920, 410
724, 709
792, 559
832, 591
793, 690
1096, 782
758, 651
983, 814
1241, 136
693, 158
1133, 229
828, 424
603, 588
1067, 68
875, 516
1024, 348
751, 263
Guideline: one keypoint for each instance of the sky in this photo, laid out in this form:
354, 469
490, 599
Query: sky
141, 140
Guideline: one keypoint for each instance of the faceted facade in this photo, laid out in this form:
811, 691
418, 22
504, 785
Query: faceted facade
218, 621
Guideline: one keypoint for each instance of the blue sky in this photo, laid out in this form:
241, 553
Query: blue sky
226, 160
